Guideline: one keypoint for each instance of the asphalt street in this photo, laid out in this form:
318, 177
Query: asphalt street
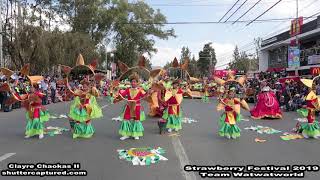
198, 144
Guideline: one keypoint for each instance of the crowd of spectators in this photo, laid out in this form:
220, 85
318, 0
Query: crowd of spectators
52, 90
290, 93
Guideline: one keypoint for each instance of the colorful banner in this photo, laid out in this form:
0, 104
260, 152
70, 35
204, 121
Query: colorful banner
296, 26
222, 73
293, 56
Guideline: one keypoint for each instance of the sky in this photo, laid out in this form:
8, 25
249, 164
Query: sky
223, 36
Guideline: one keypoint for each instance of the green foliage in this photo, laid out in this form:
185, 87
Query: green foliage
94, 24
134, 33
207, 58
242, 62
193, 68
185, 54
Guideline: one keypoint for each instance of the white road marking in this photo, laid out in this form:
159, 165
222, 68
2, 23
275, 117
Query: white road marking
6, 156
183, 158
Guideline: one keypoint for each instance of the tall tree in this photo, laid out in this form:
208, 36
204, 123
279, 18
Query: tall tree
242, 61
207, 59
93, 25
135, 27
193, 68
185, 54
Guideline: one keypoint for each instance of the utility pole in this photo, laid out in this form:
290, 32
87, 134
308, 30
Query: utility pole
297, 16
1, 33
297, 41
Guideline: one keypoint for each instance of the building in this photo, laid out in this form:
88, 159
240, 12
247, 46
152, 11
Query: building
273, 55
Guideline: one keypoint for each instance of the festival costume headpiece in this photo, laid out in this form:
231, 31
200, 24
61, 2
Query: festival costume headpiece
140, 69
32, 80
134, 76
231, 79
312, 95
88, 82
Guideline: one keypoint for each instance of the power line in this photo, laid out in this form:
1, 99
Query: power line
236, 10
209, 5
229, 10
286, 26
232, 60
264, 12
216, 22
247, 11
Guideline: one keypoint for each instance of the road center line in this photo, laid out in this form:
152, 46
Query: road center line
183, 158
6, 156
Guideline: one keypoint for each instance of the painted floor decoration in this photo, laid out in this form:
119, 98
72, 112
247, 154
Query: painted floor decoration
263, 129
52, 131
142, 156
291, 136
188, 120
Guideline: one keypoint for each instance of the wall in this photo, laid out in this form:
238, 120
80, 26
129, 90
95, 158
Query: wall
263, 60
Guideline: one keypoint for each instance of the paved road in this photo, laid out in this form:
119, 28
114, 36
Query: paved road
198, 144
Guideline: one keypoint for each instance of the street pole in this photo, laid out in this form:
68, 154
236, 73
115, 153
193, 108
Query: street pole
1, 33
297, 41
297, 16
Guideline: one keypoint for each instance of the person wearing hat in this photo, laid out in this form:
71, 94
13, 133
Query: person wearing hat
36, 114
84, 108
267, 105
133, 113
173, 114
227, 122
311, 129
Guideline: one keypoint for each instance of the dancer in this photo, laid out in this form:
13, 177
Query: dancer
173, 97
310, 129
36, 114
83, 109
267, 105
108, 92
31, 99
205, 97
228, 120
133, 113
231, 105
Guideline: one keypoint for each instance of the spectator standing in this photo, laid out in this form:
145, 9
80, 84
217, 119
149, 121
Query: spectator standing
44, 87
53, 88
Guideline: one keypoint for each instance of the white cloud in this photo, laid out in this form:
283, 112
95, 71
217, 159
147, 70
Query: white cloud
164, 55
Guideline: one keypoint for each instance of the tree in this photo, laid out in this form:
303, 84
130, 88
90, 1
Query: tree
167, 65
185, 54
135, 27
94, 24
242, 62
193, 68
207, 58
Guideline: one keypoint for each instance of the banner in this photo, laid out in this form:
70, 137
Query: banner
222, 73
314, 59
296, 26
293, 56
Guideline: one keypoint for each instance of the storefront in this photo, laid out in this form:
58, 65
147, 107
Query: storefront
279, 51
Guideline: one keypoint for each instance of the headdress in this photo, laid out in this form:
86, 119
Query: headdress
134, 76
82, 68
